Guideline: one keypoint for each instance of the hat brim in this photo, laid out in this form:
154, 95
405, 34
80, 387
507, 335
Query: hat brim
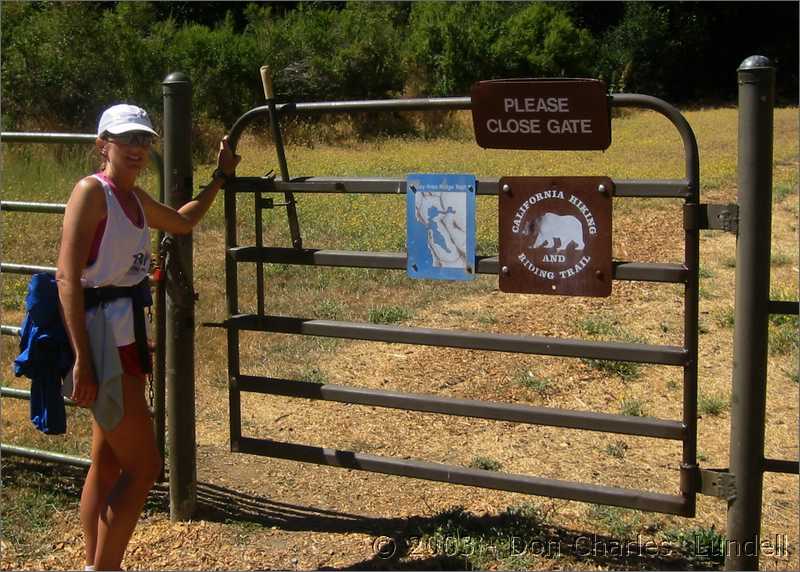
130, 127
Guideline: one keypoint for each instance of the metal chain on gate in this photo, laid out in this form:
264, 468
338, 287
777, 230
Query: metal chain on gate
177, 284
170, 269
150, 391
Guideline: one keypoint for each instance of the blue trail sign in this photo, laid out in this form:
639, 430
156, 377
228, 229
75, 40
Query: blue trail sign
440, 226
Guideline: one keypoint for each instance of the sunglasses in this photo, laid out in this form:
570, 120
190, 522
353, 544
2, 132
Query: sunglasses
131, 138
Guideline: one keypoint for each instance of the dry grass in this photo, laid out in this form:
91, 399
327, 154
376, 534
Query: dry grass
281, 514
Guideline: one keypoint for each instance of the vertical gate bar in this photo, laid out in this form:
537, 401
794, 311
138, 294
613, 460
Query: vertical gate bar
277, 137
691, 316
177, 91
756, 77
232, 302
259, 228
160, 355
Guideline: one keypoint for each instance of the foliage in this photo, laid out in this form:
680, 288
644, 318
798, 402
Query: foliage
388, 314
485, 463
713, 405
703, 546
449, 44
482, 542
222, 66
541, 385
320, 53
454, 44
63, 62
617, 449
620, 522
633, 407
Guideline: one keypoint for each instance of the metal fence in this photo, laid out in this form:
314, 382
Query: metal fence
7, 267
685, 357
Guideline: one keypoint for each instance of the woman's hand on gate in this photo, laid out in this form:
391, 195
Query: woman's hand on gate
226, 159
84, 388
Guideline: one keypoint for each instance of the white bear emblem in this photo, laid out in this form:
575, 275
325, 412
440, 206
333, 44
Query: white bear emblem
551, 227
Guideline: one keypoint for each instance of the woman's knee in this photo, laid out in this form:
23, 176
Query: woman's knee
147, 469
105, 466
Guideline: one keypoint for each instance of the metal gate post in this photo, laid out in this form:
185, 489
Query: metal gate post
748, 399
177, 91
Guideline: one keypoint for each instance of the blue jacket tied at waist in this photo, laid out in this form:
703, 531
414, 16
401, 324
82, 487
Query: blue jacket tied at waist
45, 354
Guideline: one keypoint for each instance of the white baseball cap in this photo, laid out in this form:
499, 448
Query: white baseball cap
123, 118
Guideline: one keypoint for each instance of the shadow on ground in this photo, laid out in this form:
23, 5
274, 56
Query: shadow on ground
398, 542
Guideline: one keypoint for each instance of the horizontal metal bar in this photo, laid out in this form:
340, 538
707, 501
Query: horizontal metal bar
643, 353
28, 207
25, 395
29, 137
629, 498
646, 272
783, 307
44, 455
394, 186
782, 466
410, 104
586, 420
650, 272
9, 330
663, 189
8, 268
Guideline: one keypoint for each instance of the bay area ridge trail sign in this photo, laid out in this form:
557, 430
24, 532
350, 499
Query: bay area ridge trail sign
546, 114
440, 225
555, 235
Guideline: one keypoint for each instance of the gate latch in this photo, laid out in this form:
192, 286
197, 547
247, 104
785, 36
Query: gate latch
711, 217
717, 483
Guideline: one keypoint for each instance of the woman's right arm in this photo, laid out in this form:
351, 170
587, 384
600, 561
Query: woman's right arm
85, 209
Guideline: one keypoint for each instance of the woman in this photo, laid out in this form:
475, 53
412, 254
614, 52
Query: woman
105, 242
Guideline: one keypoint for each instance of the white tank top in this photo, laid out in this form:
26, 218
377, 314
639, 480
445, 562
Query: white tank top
123, 259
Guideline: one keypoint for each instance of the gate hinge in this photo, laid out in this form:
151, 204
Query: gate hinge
711, 482
716, 483
711, 217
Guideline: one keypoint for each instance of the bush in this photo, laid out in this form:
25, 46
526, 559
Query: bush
221, 64
542, 41
451, 45
624, 60
62, 64
319, 53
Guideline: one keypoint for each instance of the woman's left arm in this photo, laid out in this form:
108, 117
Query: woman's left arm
184, 219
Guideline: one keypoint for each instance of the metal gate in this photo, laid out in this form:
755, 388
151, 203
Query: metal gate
695, 217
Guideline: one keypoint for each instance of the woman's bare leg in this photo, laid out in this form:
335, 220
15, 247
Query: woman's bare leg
103, 474
134, 447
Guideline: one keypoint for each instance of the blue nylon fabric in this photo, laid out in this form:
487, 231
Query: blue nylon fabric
45, 354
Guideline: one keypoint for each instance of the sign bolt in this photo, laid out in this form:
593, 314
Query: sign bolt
598, 274
413, 189
506, 189
505, 271
601, 189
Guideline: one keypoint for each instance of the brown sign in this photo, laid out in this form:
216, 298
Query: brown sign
568, 114
555, 235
